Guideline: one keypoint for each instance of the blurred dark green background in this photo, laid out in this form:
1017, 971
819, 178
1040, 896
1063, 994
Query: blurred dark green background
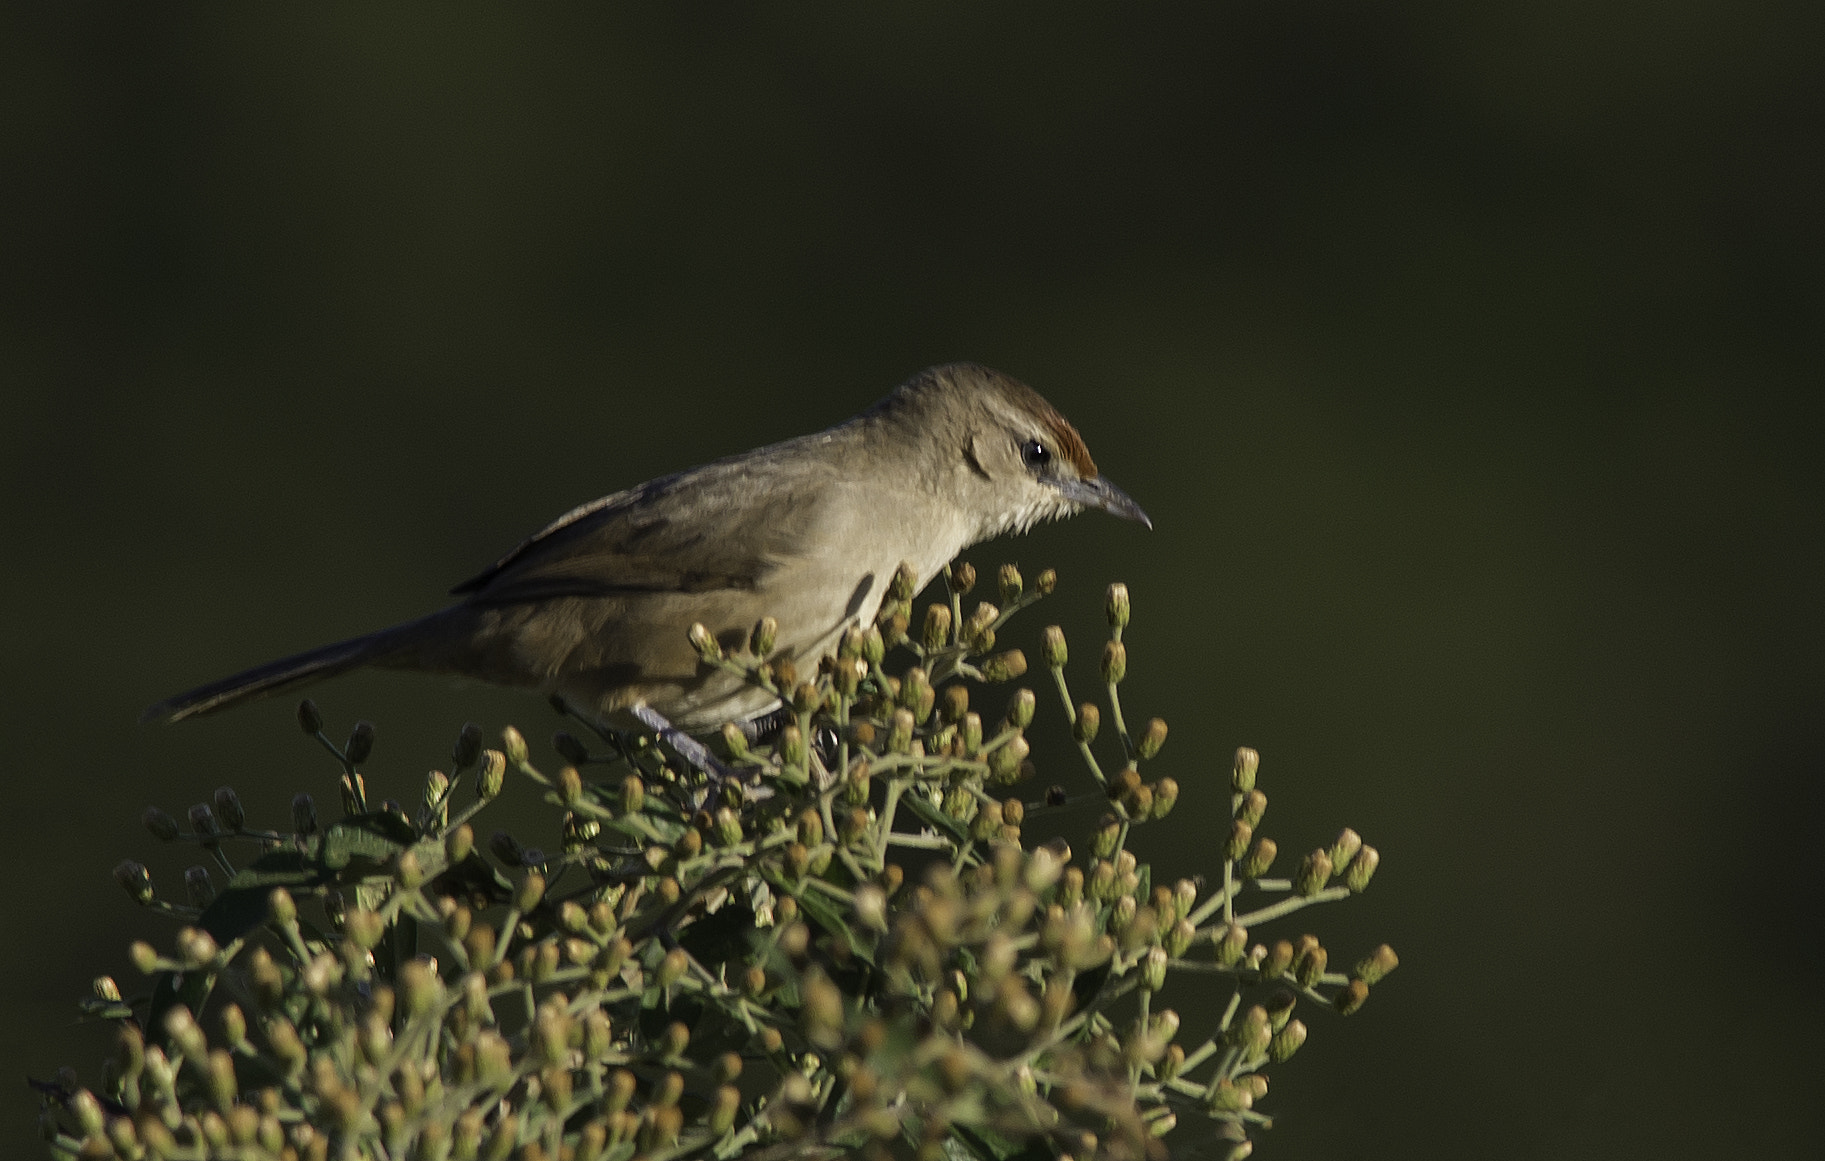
1467, 362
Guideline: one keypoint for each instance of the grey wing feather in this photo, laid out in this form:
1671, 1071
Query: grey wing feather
618, 544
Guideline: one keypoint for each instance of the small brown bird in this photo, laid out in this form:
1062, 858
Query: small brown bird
595, 606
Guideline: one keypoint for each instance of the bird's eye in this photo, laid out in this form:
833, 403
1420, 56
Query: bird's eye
1034, 454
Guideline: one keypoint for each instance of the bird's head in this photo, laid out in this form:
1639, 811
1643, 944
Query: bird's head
1025, 460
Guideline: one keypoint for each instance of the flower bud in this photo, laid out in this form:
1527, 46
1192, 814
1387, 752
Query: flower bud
1153, 969
848, 676
822, 1014
874, 645
763, 636
310, 719
1184, 897
978, 632
1240, 833
467, 748
709, 651
1139, 803
1230, 943
849, 644
1165, 796
735, 741
727, 827
203, 822
855, 782
961, 577
514, 745
1247, 764
1279, 959
936, 631
785, 675
459, 843
570, 785
956, 703
1351, 999
633, 793
144, 956
1002, 667
1089, 721
1115, 605
229, 809
360, 745
1314, 873
672, 967
1108, 835
1344, 849
810, 828
363, 928
987, 823
1052, 647
135, 880
794, 751
1374, 967
1124, 784
1153, 736
969, 731
871, 906
1309, 964
723, 1108
1252, 807
900, 732
1286, 1041
161, 825
491, 775
507, 849
1021, 708
1009, 584
1102, 881
1115, 662
531, 890
1252, 1032
182, 1027
281, 908
1178, 938
1259, 859
196, 947
1005, 760
198, 886
674, 1040
905, 583
913, 689
1362, 869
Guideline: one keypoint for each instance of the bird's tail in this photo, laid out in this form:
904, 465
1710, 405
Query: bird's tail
294, 671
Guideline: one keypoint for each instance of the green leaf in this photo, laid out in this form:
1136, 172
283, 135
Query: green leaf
242, 905
827, 915
370, 838
931, 815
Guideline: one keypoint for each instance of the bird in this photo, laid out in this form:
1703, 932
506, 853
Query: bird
595, 609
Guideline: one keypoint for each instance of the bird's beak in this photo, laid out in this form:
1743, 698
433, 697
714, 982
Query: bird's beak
1104, 496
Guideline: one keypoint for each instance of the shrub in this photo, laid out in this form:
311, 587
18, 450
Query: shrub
840, 938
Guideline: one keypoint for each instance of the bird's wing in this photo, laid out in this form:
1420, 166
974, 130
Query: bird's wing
693, 532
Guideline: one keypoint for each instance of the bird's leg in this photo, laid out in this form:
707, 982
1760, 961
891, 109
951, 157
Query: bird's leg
685, 746
765, 728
